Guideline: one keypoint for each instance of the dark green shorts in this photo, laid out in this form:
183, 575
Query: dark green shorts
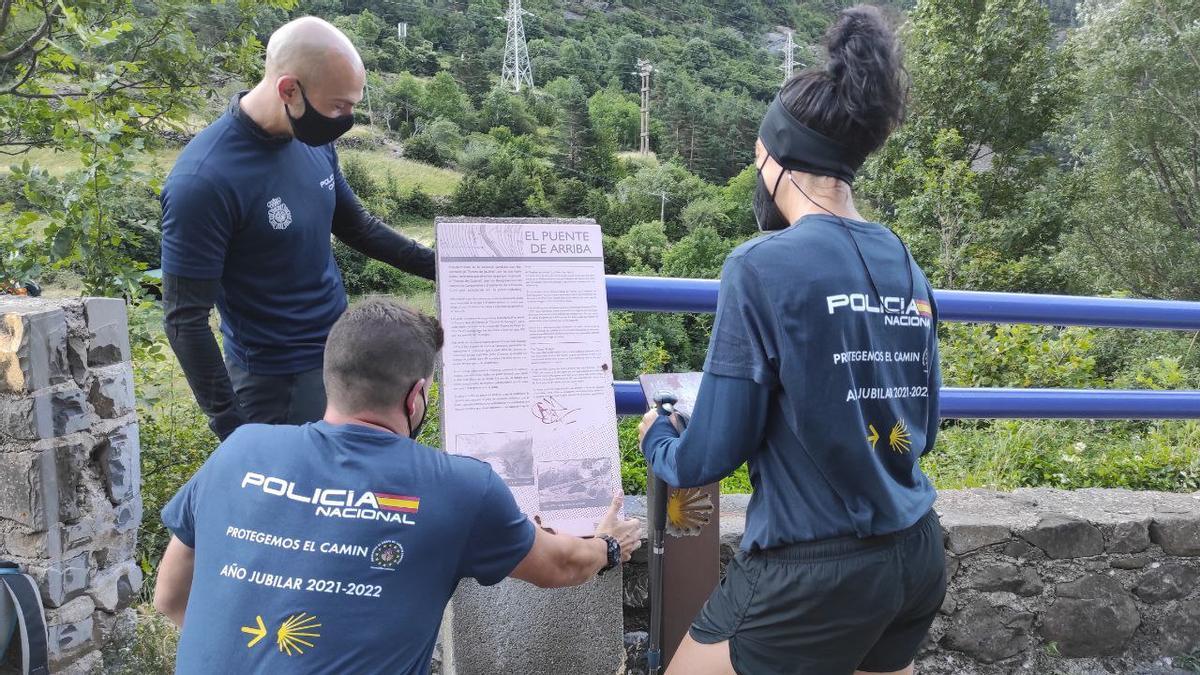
829, 607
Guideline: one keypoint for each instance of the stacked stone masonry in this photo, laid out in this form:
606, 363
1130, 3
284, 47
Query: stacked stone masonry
1039, 581
70, 500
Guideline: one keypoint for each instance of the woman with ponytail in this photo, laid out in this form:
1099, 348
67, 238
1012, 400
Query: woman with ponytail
823, 375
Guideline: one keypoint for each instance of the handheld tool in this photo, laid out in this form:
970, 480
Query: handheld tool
657, 491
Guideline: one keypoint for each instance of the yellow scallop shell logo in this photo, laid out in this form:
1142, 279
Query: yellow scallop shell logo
688, 511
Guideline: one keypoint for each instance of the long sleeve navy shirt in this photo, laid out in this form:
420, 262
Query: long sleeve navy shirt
827, 387
247, 219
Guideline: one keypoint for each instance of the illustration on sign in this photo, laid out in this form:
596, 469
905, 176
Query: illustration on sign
574, 483
509, 453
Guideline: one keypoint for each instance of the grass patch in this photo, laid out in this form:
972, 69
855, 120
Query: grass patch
59, 163
408, 174
379, 163
1189, 662
417, 228
153, 648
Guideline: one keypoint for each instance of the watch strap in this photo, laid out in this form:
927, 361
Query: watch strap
613, 553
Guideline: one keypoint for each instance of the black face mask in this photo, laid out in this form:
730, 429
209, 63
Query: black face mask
766, 213
313, 128
415, 431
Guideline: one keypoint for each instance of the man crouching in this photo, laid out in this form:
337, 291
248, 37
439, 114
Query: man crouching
334, 546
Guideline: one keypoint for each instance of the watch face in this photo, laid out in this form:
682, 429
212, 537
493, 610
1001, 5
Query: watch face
614, 552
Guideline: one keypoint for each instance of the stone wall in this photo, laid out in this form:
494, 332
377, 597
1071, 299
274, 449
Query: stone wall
70, 501
1041, 581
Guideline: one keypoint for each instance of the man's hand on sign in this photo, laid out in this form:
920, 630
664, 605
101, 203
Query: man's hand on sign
628, 532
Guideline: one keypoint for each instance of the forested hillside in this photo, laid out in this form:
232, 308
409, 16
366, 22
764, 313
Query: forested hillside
1048, 149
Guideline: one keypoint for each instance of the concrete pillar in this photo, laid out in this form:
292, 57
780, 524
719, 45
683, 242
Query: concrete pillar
513, 627
70, 486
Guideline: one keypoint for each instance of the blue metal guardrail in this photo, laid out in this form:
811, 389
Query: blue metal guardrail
652, 294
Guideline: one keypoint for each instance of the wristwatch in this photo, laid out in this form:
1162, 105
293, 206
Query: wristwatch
614, 553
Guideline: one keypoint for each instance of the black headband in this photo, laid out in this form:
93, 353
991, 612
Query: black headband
798, 148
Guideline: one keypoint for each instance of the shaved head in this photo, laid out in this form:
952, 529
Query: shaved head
310, 58
309, 47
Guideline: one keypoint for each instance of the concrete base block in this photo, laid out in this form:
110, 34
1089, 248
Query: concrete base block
513, 627
108, 330
57, 411
33, 346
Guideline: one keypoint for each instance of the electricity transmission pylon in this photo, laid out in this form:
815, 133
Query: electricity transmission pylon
644, 70
789, 57
516, 70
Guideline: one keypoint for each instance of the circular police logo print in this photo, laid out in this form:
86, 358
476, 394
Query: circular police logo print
278, 214
386, 555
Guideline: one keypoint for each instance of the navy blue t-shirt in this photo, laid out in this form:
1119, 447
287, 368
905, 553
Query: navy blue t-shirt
338, 545
256, 212
844, 391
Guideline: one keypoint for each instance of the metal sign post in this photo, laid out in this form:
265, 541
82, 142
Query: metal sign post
684, 536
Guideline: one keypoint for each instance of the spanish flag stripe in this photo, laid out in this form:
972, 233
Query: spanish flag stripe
400, 503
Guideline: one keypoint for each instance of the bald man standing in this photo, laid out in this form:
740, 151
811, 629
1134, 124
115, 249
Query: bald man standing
248, 211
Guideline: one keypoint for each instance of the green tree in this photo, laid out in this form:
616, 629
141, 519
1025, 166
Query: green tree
699, 255
97, 80
438, 143
1138, 141
944, 212
444, 98
364, 30
503, 108
653, 191
710, 131
473, 71
964, 180
986, 68
588, 154
510, 182
616, 117
399, 103
644, 245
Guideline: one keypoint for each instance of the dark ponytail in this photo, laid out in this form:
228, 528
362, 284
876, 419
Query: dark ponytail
858, 97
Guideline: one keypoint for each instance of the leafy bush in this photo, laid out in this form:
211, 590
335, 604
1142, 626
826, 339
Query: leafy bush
979, 355
422, 148
151, 651
364, 276
1028, 453
174, 433
438, 143
359, 177
419, 203
633, 463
